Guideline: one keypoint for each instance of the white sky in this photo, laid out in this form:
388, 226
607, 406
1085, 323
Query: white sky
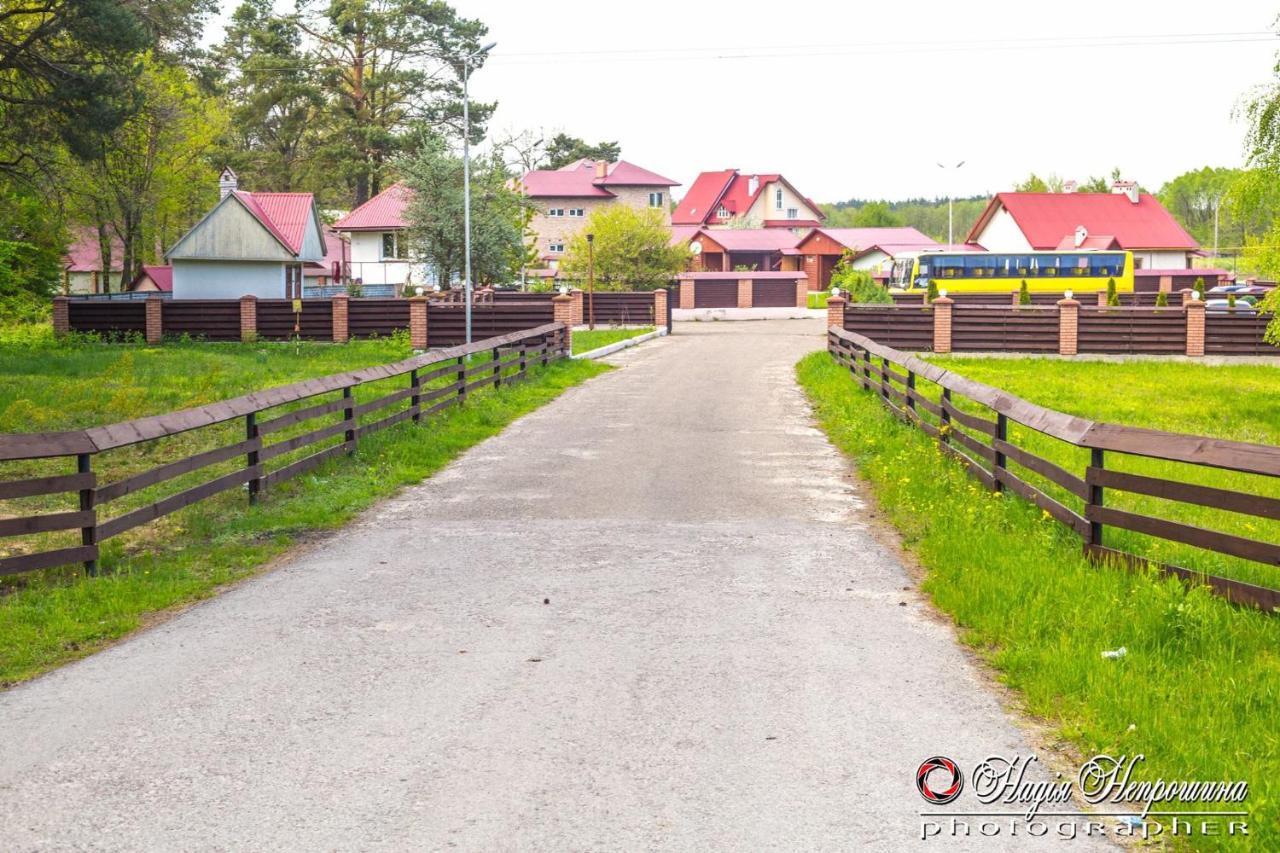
863, 99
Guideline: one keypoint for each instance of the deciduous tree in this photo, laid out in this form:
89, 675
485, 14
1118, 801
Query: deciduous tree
632, 249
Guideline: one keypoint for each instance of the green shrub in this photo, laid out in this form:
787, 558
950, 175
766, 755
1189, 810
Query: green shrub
1113, 297
1162, 300
1024, 294
932, 293
858, 284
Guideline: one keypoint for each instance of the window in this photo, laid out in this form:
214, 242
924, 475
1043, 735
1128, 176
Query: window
792, 213
556, 248
555, 211
390, 246
575, 211
777, 198
722, 212
655, 199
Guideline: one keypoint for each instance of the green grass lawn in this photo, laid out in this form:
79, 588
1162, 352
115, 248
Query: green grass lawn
1240, 402
586, 340
47, 618
818, 298
1198, 692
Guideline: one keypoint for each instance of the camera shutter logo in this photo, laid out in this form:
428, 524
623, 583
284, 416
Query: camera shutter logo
946, 795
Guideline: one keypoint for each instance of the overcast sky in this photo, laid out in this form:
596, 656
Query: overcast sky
856, 99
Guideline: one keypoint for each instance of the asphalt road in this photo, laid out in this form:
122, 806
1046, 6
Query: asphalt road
647, 616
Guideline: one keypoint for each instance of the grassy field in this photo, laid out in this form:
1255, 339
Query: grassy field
1198, 692
50, 617
1240, 402
586, 340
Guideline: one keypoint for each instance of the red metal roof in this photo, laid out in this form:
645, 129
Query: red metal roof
579, 180
1045, 218
383, 212
1092, 241
85, 255
700, 201
865, 239
733, 191
286, 215
751, 239
161, 275
742, 274
792, 223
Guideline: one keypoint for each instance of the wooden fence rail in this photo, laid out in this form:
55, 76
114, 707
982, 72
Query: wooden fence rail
424, 394
984, 445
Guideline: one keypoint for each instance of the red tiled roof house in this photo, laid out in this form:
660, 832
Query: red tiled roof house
1121, 219
250, 243
379, 248
870, 249
563, 198
729, 199
82, 266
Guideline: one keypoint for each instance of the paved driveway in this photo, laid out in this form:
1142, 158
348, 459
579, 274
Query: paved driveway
645, 616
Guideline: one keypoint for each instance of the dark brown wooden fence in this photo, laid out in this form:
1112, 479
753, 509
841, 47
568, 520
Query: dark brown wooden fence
977, 328
211, 319
1234, 333
715, 294
621, 308
382, 317
772, 294
275, 429
983, 442
905, 326
108, 318
277, 322
1004, 299
447, 326
1156, 331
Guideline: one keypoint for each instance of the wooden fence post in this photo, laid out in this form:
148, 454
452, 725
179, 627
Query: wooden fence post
911, 387
462, 379
349, 416
89, 534
944, 419
497, 371
248, 318
562, 312
835, 312
1002, 434
1096, 463
251, 458
942, 324
1068, 326
415, 400
61, 315
341, 330
1194, 311
154, 319
418, 322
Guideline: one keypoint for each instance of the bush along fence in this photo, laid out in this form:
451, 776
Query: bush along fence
431, 323
1066, 328
251, 442
980, 436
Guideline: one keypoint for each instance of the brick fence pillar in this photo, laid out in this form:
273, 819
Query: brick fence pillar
686, 293
1186, 295
1195, 328
1068, 326
1016, 299
579, 314
61, 315
835, 310
155, 321
1166, 284
942, 324
562, 312
341, 313
248, 318
802, 293
744, 293
1102, 299
418, 322
660, 307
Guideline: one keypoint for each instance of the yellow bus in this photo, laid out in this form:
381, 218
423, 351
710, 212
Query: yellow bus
1081, 271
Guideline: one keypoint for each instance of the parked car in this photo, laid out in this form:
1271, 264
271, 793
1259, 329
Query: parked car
1223, 305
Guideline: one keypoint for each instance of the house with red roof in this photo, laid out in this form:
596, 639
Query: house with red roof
153, 279
379, 246
250, 243
730, 199
728, 249
82, 267
563, 198
1124, 218
871, 249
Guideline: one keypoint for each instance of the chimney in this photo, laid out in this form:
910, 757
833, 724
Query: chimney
1069, 186
1128, 188
227, 183
753, 184
602, 169
1082, 234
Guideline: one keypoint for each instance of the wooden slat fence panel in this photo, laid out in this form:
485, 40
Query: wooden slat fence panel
714, 294
1132, 330
990, 329
773, 294
107, 317
382, 317
1236, 333
902, 327
277, 321
210, 319
621, 308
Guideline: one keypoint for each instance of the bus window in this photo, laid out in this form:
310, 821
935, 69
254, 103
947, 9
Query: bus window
1021, 265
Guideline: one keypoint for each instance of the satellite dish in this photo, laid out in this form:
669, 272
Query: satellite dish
695, 247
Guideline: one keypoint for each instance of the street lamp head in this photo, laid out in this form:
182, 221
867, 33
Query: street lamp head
488, 47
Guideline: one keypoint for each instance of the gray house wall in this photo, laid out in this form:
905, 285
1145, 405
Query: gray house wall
210, 279
230, 232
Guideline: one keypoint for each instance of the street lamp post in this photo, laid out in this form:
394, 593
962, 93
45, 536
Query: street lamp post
591, 281
951, 239
466, 176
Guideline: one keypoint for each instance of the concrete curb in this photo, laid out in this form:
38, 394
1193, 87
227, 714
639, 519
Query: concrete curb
610, 349
711, 315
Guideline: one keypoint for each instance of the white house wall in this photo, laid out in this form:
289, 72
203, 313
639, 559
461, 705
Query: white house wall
871, 261
1155, 260
205, 279
231, 233
1002, 234
766, 206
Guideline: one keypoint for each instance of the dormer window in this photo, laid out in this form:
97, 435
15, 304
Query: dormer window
722, 212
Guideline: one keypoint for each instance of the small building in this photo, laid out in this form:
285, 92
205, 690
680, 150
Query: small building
871, 249
564, 198
250, 243
728, 249
1122, 219
377, 232
153, 279
730, 199
331, 272
82, 269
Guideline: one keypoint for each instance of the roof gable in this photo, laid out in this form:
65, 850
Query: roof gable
1045, 219
749, 239
862, 239
232, 231
580, 179
384, 212
700, 201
